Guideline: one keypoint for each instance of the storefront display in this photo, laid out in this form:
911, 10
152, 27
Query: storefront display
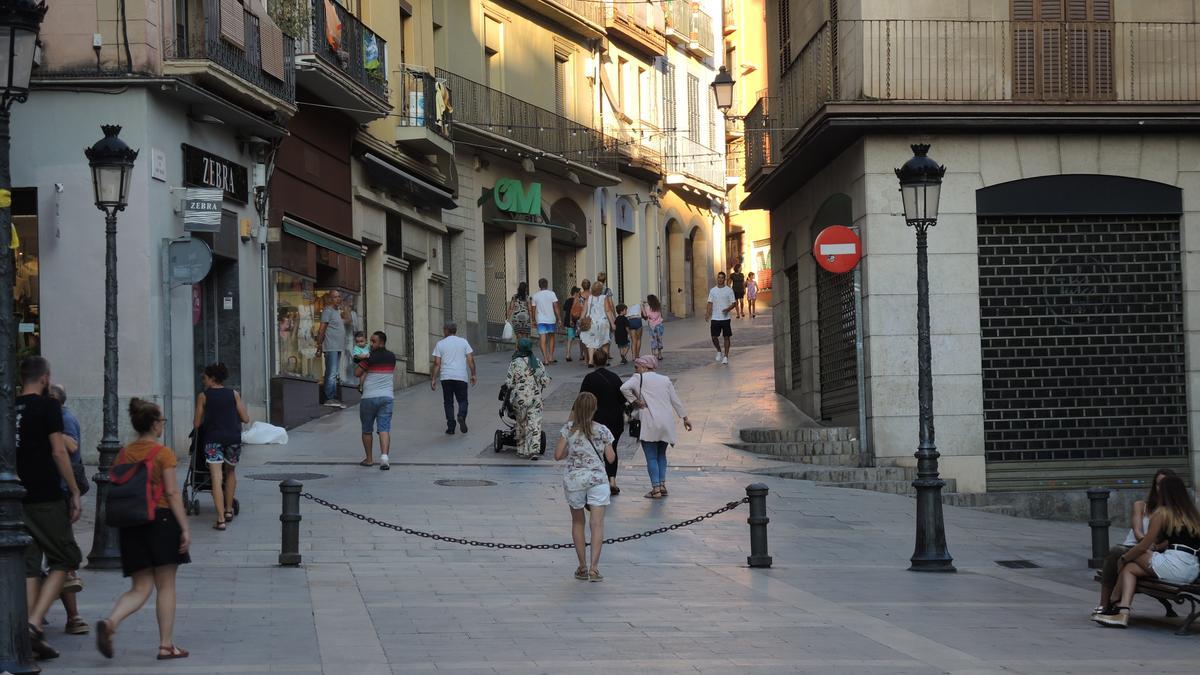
26, 291
298, 307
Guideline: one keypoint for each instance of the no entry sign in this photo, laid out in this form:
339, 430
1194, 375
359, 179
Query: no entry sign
837, 249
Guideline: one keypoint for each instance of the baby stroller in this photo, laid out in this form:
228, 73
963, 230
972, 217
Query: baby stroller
198, 478
508, 417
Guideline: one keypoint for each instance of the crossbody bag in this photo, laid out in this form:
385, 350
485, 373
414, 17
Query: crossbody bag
635, 421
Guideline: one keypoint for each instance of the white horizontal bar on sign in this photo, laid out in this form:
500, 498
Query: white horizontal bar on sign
839, 249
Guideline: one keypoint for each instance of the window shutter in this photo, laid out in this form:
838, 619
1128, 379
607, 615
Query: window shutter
785, 35
270, 43
233, 23
560, 87
1023, 10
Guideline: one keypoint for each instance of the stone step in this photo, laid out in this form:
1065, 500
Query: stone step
836, 474
894, 487
802, 435
799, 448
1002, 509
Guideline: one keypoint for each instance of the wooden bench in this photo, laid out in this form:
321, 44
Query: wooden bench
1167, 593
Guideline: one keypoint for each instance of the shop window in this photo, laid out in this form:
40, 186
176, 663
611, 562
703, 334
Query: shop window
26, 294
298, 307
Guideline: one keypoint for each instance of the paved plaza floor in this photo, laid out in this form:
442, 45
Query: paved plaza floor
837, 600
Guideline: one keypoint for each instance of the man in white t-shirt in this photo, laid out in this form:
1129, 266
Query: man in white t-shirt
721, 301
545, 303
454, 360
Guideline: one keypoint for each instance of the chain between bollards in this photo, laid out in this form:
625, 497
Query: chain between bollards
289, 549
1099, 522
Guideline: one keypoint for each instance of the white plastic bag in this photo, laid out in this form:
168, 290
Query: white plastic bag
261, 433
507, 334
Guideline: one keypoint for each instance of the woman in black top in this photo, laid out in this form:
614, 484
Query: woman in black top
220, 414
605, 385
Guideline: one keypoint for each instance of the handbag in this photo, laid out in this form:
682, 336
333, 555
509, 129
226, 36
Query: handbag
585, 324
583, 478
635, 423
81, 480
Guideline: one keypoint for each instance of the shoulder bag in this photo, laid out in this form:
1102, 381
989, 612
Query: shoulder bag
635, 422
583, 478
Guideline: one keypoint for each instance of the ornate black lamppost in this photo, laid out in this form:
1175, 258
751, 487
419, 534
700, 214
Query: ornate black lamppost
112, 166
19, 23
921, 187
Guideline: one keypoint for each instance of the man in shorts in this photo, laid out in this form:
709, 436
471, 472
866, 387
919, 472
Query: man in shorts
545, 304
72, 437
377, 374
721, 301
43, 466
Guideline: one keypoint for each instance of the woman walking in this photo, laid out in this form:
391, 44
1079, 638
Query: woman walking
652, 313
605, 385
570, 323
518, 312
1168, 551
635, 330
598, 318
153, 552
220, 414
654, 395
578, 311
527, 379
586, 445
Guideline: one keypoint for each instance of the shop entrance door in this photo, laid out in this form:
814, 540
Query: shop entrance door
495, 286
216, 326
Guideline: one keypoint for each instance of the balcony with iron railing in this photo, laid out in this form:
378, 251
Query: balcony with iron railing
640, 24
426, 108
217, 48
762, 138
1011, 65
340, 59
584, 16
691, 28
689, 159
729, 17
500, 117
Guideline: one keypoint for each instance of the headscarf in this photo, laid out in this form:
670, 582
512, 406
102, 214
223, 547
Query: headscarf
525, 350
648, 362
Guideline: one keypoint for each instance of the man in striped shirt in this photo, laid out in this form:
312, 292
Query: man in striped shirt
375, 409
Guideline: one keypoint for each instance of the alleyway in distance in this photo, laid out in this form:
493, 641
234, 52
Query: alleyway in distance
838, 599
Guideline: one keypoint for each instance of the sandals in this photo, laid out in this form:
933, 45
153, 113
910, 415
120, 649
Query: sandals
653, 494
1117, 620
104, 638
662, 490
41, 649
228, 516
595, 575
219, 525
172, 652
367, 462
581, 573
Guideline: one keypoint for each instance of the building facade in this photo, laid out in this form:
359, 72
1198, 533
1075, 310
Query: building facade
1062, 307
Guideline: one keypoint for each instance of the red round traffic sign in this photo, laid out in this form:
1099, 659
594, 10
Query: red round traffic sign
837, 249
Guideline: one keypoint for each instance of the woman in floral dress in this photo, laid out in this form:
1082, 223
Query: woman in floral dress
586, 445
601, 314
527, 379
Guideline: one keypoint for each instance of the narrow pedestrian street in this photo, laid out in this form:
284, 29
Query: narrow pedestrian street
838, 598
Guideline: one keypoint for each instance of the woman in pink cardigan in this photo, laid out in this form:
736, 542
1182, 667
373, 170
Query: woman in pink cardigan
658, 404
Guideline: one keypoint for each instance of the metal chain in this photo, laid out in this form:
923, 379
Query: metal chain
729, 506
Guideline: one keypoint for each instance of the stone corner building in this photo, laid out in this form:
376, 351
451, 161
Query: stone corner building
1062, 311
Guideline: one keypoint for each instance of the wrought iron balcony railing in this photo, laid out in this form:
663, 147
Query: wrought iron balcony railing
691, 27
424, 101
762, 138
498, 113
585, 9
682, 155
263, 58
941, 61
340, 39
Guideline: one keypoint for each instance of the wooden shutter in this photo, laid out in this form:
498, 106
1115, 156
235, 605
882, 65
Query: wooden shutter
560, 87
270, 43
785, 35
233, 23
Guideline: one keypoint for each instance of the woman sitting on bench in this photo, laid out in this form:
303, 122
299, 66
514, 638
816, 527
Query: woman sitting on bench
1139, 524
1168, 551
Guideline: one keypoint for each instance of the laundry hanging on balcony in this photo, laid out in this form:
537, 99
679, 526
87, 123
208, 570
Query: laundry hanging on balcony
370, 53
333, 27
443, 108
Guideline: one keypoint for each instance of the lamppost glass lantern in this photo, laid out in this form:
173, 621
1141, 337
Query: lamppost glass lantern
921, 186
722, 88
112, 166
19, 22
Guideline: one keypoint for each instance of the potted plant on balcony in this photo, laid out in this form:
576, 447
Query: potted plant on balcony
292, 16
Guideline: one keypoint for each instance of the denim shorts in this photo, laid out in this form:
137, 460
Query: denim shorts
376, 411
635, 323
547, 328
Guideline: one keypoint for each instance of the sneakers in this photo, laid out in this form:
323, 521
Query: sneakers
1118, 620
383, 463
462, 424
450, 429
719, 355
725, 360
333, 403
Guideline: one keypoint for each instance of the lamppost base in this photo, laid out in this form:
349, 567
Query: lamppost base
932, 565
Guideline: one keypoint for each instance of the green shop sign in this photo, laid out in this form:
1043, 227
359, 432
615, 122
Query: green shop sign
511, 196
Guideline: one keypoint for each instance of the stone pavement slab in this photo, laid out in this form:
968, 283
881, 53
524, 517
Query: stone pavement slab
839, 598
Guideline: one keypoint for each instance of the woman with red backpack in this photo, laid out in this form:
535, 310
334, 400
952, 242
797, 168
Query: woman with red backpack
151, 552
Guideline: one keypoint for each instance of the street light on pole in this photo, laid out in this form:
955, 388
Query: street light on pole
920, 188
112, 167
19, 23
722, 88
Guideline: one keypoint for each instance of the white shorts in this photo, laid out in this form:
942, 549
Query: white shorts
1176, 567
595, 496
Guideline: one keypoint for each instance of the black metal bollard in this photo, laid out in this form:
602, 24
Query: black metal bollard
289, 547
1099, 523
758, 525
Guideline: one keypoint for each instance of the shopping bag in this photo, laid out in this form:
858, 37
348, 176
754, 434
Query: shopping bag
507, 334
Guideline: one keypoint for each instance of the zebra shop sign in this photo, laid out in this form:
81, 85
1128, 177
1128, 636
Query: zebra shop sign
205, 170
202, 210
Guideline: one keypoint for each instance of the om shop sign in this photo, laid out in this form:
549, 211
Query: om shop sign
512, 197
837, 249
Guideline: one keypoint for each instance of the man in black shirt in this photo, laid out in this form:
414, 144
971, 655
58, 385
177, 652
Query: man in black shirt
43, 466
737, 281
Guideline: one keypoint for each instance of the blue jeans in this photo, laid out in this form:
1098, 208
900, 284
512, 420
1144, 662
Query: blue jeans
451, 390
332, 360
656, 461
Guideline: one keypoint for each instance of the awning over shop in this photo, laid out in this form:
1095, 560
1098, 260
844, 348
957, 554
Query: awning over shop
393, 179
322, 240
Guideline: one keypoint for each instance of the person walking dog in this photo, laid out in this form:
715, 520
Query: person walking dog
586, 445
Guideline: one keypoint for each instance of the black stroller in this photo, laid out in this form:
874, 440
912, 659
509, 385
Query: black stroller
198, 479
508, 417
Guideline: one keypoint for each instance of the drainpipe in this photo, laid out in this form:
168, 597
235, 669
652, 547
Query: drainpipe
262, 199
